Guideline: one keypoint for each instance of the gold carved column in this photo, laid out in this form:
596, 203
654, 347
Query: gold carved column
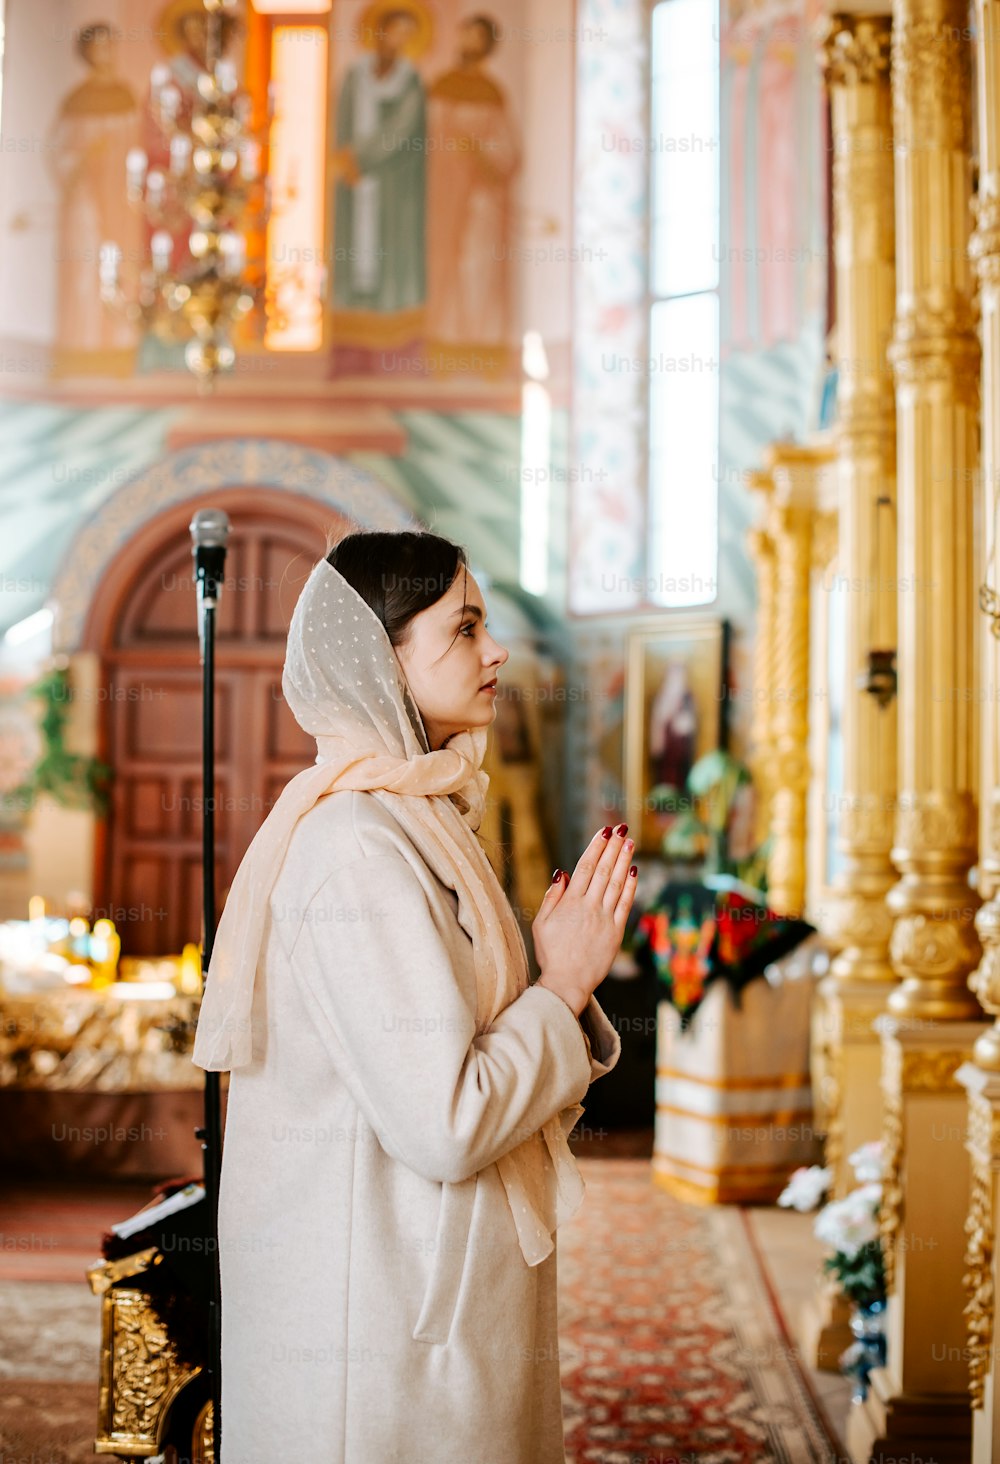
763, 554
918, 1403
791, 522
985, 252
856, 56
981, 1078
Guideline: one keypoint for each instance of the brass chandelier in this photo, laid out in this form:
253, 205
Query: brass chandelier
197, 284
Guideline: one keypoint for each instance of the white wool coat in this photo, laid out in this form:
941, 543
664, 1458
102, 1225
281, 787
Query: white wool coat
376, 1306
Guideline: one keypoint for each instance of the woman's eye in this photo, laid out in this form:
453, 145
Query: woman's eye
471, 626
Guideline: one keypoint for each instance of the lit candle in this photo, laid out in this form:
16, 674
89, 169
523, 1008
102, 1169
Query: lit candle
234, 253
155, 183
190, 978
180, 152
109, 259
161, 246
250, 159
225, 75
136, 163
169, 99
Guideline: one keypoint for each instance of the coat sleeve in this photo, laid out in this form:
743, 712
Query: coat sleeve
391, 1012
603, 1042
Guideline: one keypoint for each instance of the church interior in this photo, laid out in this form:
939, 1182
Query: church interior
682, 317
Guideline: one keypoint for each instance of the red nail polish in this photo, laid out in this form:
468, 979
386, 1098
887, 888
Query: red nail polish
633, 871
606, 832
556, 875
622, 830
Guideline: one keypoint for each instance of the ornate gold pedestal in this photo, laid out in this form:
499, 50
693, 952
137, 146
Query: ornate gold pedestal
918, 1405
149, 1396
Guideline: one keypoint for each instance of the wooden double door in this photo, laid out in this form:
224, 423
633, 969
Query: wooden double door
148, 875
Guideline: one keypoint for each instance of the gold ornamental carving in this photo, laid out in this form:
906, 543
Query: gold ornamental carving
938, 821
762, 550
983, 1141
855, 49
866, 822
985, 982
931, 75
984, 246
890, 1216
858, 921
992, 850
141, 1373
939, 348
978, 1279
832, 1104
934, 948
930, 1071
906, 1070
791, 527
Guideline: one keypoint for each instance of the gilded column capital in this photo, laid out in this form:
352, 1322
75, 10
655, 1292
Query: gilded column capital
855, 50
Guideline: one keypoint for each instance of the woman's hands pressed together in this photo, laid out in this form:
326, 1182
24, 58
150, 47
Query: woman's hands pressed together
578, 930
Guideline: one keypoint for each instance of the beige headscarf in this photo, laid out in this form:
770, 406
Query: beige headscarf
346, 687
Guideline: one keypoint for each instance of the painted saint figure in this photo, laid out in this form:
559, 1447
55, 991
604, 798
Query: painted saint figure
673, 727
379, 273
473, 156
97, 124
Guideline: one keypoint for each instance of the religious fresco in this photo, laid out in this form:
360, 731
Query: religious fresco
97, 123
424, 164
425, 153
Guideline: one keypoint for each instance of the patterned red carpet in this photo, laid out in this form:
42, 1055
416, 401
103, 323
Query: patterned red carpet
671, 1350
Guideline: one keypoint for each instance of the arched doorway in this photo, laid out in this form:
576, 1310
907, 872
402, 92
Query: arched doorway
143, 625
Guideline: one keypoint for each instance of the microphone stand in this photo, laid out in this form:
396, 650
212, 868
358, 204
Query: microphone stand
208, 530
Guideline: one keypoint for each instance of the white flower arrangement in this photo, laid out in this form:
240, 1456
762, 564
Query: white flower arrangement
848, 1226
806, 1188
867, 1162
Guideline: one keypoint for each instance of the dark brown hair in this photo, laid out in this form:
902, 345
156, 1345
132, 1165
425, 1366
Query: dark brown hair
398, 574
86, 37
489, 28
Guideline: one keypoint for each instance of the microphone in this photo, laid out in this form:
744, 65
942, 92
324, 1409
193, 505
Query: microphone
209, 530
